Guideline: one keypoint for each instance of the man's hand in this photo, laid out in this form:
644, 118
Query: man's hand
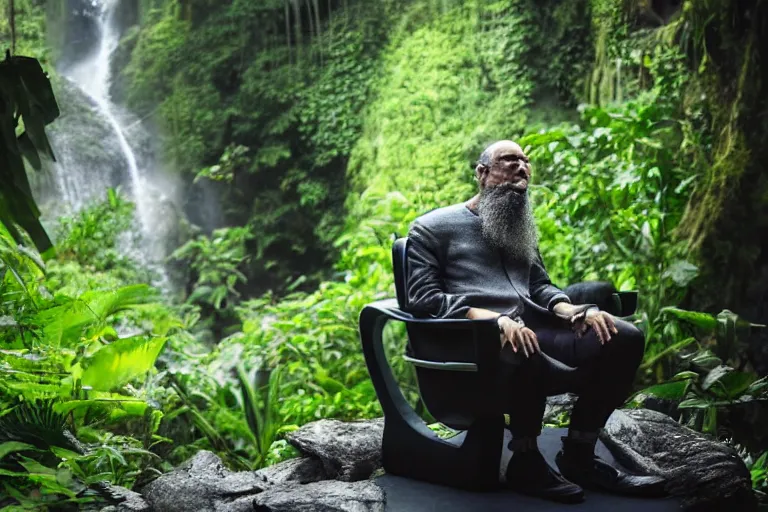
518, 336
603, 323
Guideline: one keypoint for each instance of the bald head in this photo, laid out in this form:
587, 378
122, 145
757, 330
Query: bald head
503, 162
492, 152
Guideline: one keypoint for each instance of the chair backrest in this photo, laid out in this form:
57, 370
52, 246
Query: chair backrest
400, 266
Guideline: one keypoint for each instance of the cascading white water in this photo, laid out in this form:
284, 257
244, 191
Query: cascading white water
78, 182
92, 76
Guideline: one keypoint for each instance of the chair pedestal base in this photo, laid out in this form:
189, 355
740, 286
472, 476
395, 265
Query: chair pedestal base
472, 464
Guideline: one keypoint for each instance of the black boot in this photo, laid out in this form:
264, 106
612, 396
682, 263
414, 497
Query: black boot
578, 463
528, 473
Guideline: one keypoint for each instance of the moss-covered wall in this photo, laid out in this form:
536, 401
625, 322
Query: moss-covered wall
722, 114
727, 219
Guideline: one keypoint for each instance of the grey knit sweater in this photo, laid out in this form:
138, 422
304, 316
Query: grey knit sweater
452, 268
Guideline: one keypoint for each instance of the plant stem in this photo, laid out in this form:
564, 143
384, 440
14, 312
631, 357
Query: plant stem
670, 349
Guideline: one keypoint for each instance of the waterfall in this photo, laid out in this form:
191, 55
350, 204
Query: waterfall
80, 177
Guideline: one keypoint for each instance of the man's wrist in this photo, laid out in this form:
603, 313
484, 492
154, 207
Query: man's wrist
568, 311
501, 319
563, 309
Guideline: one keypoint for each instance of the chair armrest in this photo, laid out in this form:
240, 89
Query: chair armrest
390, 308
481, 337
605, 295
439, 365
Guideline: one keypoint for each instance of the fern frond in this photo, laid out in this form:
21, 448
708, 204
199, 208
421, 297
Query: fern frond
36, 423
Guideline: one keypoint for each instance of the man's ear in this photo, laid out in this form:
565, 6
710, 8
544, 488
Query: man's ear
480, 172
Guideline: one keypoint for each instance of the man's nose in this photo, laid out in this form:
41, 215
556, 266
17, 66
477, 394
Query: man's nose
519, 169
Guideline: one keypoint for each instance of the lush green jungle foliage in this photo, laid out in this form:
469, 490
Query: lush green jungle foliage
328, 129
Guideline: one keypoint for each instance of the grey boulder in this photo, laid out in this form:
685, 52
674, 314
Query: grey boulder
328, 496
128, 501
704, 473
556, 405
203, 484
302, 470
349, 451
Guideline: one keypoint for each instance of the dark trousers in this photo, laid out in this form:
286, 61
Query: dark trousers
602, 379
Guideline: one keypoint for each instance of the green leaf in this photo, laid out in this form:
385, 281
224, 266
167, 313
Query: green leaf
66, 323
701, 320
118, 363
14, 446
34, 422
761, 461
328, 383
758, 386
686, 375
731, 328
27, 92
715, 375
695, 403
540, 139
30, 152
734, 384
704, 359
251, 404
125, 406
674, 390
710, 421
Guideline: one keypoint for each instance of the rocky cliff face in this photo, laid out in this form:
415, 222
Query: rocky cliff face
83, 169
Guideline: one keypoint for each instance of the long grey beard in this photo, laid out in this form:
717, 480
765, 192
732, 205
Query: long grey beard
508, 223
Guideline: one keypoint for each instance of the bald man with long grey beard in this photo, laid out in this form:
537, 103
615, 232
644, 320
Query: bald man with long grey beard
480, 260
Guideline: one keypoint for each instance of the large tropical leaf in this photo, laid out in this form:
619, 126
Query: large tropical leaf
66, 323
106, 303
26, 94
730, 329
118, 363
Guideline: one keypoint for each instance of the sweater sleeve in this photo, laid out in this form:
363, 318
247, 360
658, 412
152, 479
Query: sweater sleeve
425, 290
543, 292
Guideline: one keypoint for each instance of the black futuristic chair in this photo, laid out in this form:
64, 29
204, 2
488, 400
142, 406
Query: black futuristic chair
455, 362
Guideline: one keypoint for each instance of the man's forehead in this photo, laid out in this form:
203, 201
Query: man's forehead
505, 147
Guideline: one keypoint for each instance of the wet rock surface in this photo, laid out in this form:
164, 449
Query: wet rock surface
326, 496
704, 473
349, 451
204, 484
